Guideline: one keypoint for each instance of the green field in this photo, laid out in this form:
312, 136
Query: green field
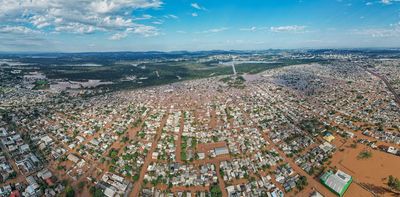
148, 72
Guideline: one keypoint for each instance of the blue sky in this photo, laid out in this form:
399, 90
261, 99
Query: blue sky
167, 25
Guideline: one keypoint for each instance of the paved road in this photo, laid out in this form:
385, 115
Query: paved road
390, 88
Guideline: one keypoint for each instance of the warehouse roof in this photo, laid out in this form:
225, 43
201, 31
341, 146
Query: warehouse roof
338, 182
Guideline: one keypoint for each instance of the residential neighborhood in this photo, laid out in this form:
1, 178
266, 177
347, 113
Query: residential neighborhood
310, 129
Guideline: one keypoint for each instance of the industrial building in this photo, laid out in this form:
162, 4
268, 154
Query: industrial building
337, 183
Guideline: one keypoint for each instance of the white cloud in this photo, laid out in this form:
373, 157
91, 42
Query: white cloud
76, 28
215, 30
171, 16
104, 6
254, 29
290, 28
392, 31
194, 14
119, 36
17, 30
159, 22
85, 16
387, 2
143, 17
40, 21
197, 6
249, 29
144, 30
235, 41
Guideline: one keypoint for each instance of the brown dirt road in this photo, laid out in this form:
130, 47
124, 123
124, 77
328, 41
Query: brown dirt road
137, 186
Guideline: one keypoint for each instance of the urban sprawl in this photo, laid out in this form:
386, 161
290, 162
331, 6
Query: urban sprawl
323, 128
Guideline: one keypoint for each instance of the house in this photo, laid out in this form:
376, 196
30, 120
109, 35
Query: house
326, 147
350, 134
46, 140
44, 174
33, 187
80, 139
95, 142
113, 184
109, 192
201, 155
154, 155
3, 132
24, 148
73, 158
328, 137
392, 150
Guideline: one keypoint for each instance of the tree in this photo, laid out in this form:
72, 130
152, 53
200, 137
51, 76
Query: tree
394, 182
12, 175
135, 177
312, 170
365, 154
215, 191
81, 185
96, 192
113, 153
221, 172
301, 183
69, 192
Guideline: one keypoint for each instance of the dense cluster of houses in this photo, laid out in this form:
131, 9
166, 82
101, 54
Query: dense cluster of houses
315, 157
240, 168
176, 174
39, 181
154, 192
261, 187
114, 185
13, 146
6, 170
247, 134
389, 149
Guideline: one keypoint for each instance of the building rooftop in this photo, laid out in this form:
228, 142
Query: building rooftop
338, 182
221, 151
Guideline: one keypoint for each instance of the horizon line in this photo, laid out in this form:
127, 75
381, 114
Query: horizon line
193, 51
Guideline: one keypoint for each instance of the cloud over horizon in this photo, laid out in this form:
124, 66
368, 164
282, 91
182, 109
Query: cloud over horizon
290, 28
85, 17
112, 25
